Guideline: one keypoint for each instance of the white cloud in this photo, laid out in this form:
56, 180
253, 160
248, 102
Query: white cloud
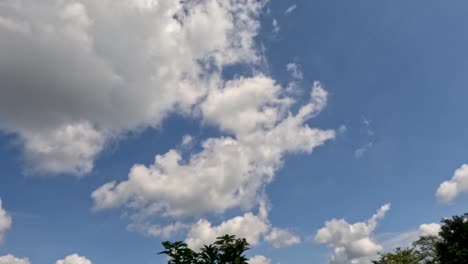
78, 73
74, 259
71, 148
297, 76
358, 153
186, 140
342, 129
367, 131
148, 229
5, 222
290, 9
366, 128
295, 71
245, 105
280, 238
275, 25
351, 243
450, 189
249, 226
228, 172
10, 259
259, 260
429, 229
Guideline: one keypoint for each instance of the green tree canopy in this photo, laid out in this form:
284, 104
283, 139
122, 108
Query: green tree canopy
452, 248
421, 251
226, 249
449, 247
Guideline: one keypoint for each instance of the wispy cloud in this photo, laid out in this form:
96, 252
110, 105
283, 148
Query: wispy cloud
275, 25
368, 133
290, 9
358, 153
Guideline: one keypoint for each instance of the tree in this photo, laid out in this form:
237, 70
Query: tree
452, 248
449, 247
422, 251
425, 249
400, 256
178, 253
225, 250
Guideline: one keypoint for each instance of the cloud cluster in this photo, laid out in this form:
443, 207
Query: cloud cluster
259, 260
71, 259
78, 73
10, 259
74, 259
5, 222
252, 227
450, 189
294, 70
249, 226
351, 243
230, 171
280, 238
432, 229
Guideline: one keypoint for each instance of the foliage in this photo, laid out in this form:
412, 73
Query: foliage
225, 250
449, 247
452, 248
425, 249
400, 256
422, 251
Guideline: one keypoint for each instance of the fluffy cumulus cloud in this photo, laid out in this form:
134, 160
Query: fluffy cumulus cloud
74, 259
229, 171
249, 226
5, 222
78, 73
259, 259
280, 238
432, 229
10, 259
252, 227
351, 243
450, 189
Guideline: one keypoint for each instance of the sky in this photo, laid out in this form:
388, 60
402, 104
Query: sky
321, 131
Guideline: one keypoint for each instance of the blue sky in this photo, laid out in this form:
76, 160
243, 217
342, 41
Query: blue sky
310, 127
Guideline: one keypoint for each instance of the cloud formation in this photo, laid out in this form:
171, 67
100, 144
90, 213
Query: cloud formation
280, 238
351, 243
230, 171
249, 226
10, 259
294, 70
449, 190
432, 229
78, 73
74, 259
5, 222
253, 228
259, 260
290, 9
